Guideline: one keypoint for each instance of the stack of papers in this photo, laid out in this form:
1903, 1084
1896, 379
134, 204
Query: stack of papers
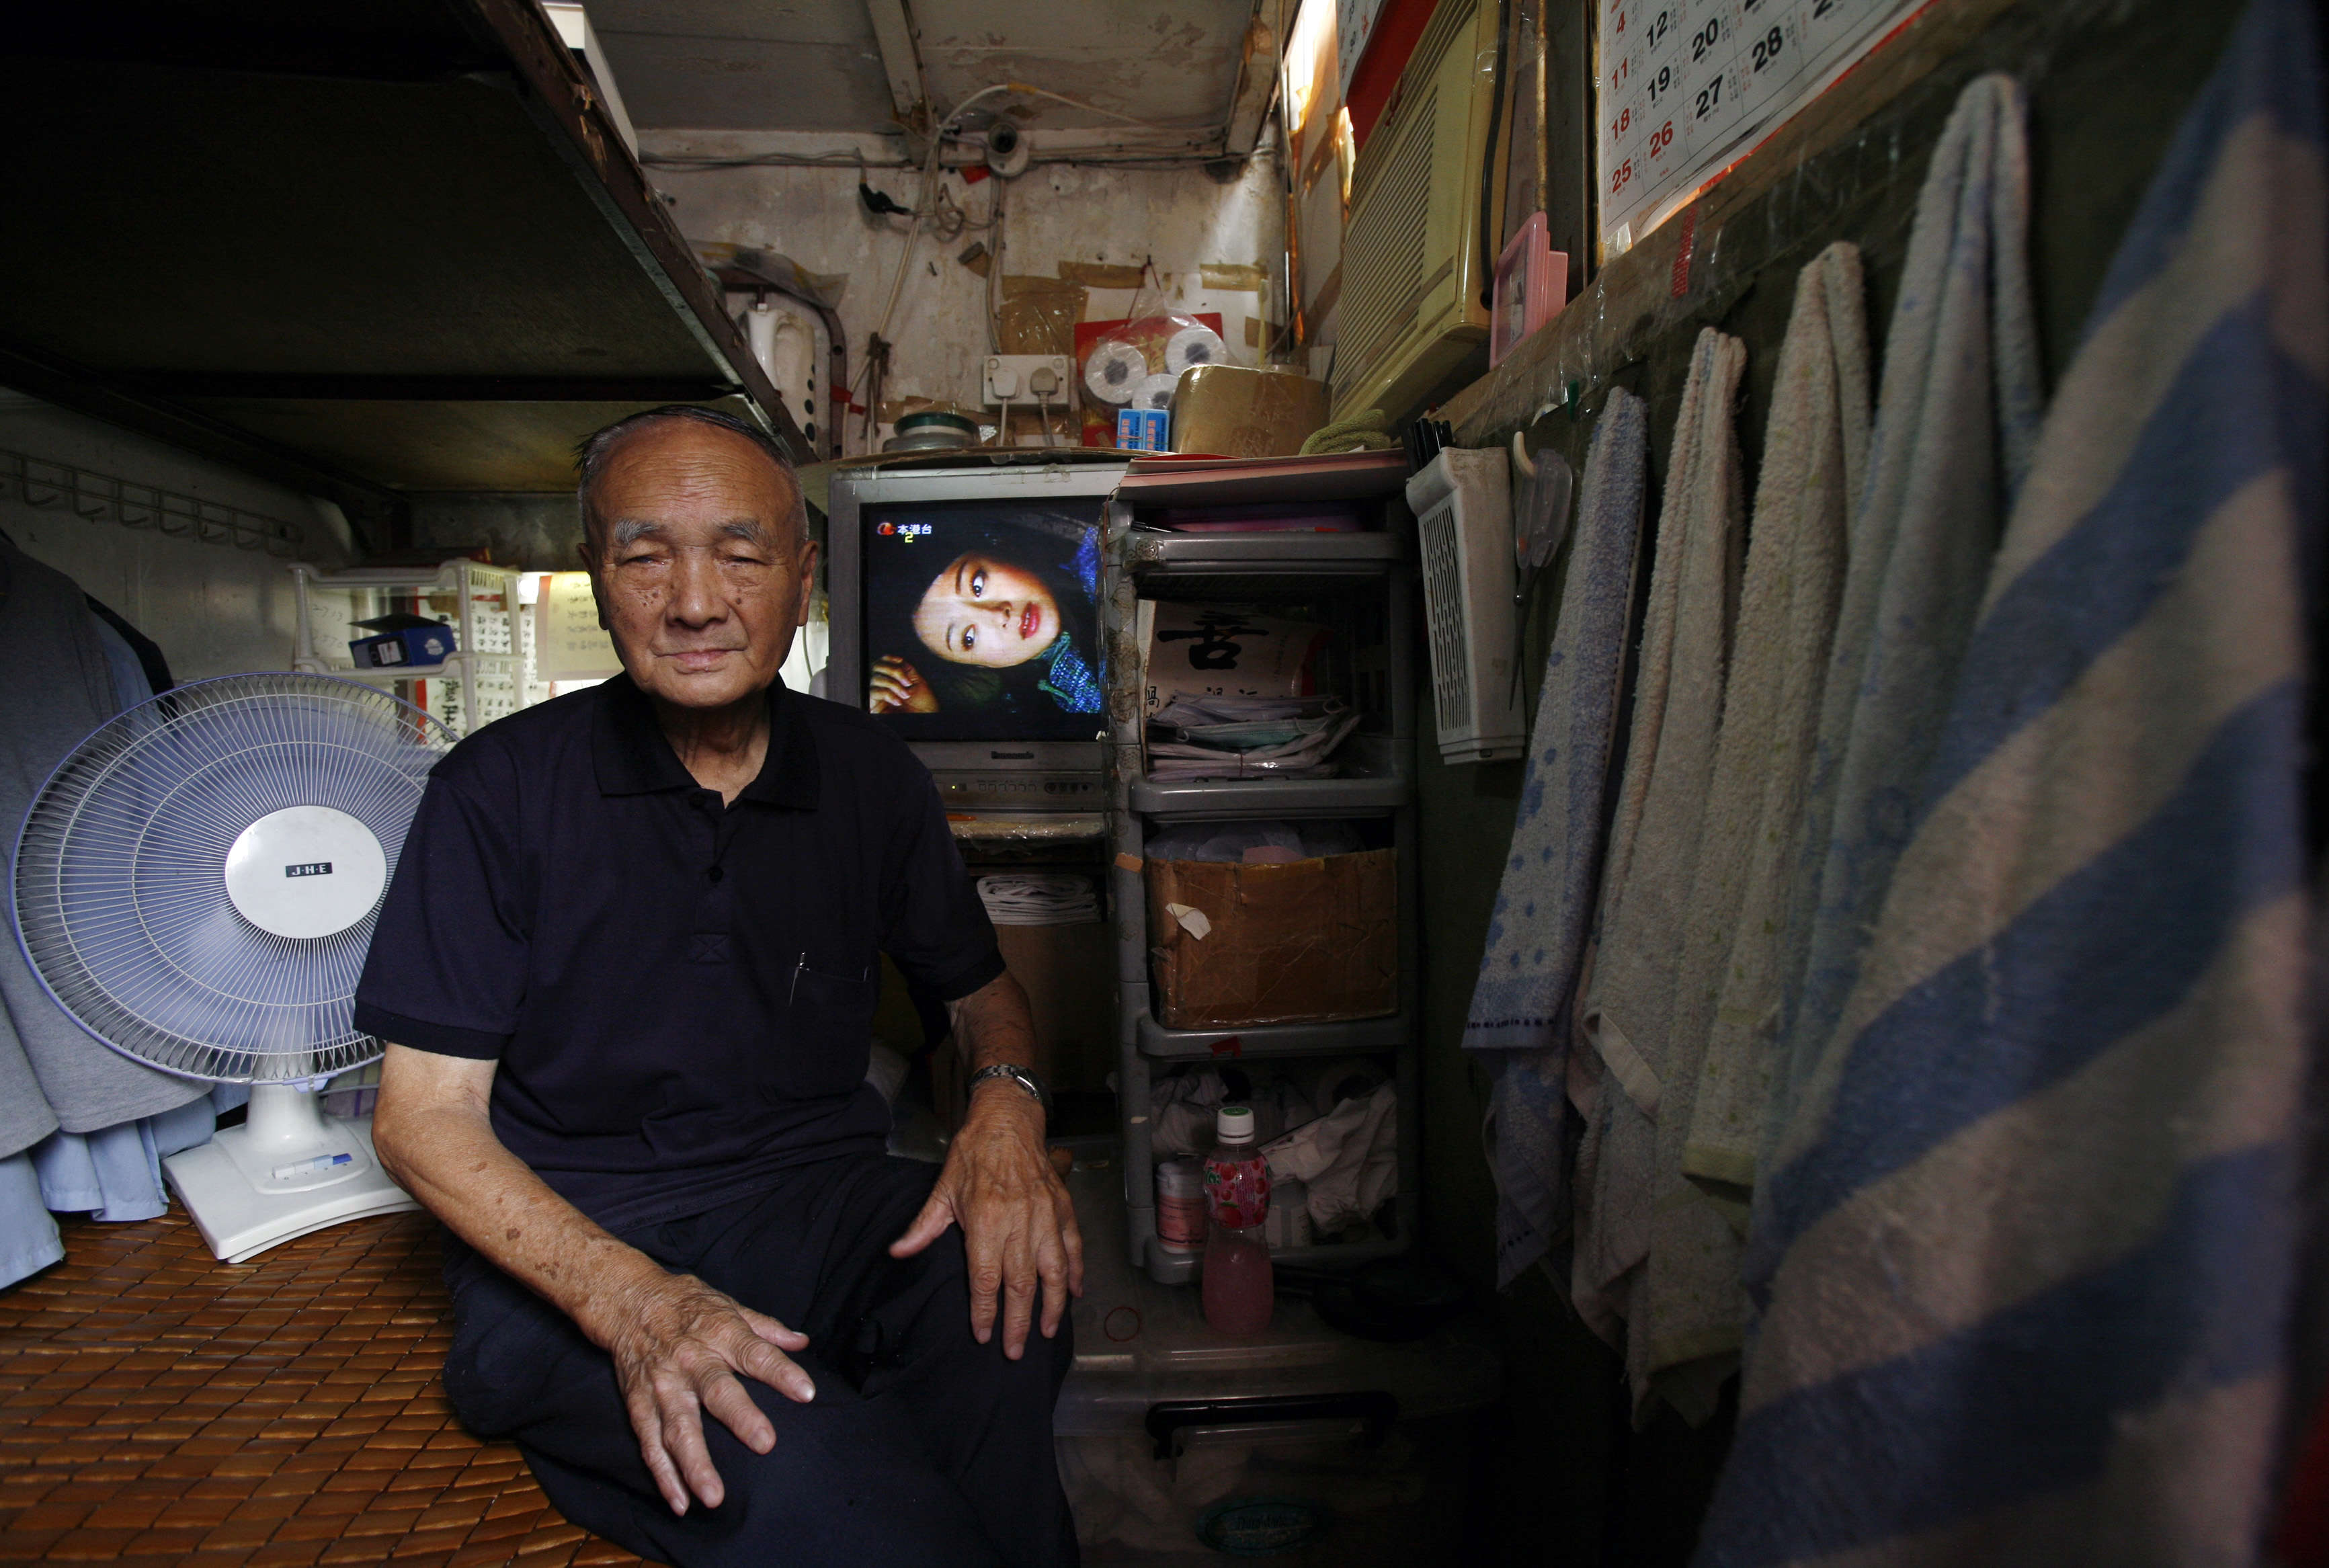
1222, 737
1038, 899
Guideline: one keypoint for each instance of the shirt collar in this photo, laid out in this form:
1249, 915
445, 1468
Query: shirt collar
630, 754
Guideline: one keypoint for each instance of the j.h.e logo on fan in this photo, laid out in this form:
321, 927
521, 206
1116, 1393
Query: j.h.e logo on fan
309, 868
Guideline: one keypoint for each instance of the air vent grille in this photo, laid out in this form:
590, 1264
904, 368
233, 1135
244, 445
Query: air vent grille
1383, 256
1443, 593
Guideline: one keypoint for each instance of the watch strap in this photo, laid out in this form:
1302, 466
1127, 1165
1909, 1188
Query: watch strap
1023, 1077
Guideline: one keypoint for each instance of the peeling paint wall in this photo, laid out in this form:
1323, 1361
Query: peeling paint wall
1180, 218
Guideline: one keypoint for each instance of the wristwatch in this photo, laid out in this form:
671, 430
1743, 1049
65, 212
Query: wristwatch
1023, 1077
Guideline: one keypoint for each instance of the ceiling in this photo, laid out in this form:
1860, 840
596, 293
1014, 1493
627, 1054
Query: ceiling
820, 65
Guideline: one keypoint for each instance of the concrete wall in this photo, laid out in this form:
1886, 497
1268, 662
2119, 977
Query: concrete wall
214, 609
1181, 218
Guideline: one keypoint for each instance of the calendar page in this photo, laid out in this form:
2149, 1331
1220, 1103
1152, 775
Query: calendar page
1688, 86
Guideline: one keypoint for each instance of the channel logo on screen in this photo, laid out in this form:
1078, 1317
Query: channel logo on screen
908, 532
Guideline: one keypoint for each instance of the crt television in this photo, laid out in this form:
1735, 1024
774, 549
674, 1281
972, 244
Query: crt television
965, 607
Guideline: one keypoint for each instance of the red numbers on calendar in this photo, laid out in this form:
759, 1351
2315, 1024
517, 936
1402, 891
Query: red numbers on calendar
1623, 178
1661, 139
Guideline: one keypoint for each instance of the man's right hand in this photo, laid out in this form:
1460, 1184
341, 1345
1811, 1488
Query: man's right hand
680, 1348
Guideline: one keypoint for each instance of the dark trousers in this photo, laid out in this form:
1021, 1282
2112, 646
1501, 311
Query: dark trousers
922, 1446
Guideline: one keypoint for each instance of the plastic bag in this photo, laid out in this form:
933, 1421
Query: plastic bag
1134, 364
1255, 843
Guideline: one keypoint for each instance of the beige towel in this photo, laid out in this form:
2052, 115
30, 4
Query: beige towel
1689, 1310
1653, 850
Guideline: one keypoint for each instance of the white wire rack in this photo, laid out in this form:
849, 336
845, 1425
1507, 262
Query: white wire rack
108, 498
489, 674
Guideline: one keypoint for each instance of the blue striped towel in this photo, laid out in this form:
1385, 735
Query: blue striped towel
2027, 1255
1523, 1001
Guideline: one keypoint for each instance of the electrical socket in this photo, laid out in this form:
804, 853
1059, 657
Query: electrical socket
1016, 378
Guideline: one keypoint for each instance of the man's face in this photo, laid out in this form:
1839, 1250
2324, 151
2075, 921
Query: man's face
695, 564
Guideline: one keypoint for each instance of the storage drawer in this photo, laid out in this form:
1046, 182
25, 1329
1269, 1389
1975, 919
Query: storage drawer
1333, 1492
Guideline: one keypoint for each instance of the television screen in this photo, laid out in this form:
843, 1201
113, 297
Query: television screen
982, 620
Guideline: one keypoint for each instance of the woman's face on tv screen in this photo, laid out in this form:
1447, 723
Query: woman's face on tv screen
982, 610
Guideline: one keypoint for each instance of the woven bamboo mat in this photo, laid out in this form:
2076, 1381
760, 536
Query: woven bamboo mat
160, 1408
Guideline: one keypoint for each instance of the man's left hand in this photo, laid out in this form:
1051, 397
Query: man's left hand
1018, 1223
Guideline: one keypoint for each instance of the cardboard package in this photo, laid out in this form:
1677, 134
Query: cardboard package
1228, 410
1070, 975
1305, 941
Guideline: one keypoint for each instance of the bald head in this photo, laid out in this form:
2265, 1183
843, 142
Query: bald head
721, 441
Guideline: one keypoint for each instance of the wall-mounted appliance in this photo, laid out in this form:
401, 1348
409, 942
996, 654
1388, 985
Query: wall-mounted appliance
1414, 275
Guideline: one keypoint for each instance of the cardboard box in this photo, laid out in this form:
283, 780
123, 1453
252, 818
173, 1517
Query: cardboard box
1308, 941
1069, 974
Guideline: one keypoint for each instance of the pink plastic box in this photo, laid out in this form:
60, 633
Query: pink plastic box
1531, 286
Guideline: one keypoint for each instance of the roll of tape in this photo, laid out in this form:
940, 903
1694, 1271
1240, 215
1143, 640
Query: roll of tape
1193, 345
1114, 371
1155, 391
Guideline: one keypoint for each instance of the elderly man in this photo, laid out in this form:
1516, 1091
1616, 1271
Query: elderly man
627, 967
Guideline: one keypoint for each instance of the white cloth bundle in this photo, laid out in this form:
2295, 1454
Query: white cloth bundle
1038, 899
1229, 737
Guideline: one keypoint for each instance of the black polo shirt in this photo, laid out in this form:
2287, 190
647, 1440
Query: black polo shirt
680, 994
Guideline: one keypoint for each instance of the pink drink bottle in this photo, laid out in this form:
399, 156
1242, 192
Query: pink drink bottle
1237, 1288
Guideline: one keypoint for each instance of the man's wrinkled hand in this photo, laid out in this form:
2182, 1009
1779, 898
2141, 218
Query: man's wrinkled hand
681, 1347
1018, 1224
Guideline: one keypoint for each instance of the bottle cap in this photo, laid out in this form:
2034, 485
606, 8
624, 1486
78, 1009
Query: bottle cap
1233, 1124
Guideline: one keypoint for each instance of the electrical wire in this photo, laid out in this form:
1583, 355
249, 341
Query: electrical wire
1084, 105
685, 162
933, 196
994, 280
681, 165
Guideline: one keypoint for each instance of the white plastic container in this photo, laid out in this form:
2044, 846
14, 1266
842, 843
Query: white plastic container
1181, 1205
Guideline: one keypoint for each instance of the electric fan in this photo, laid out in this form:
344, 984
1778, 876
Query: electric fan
196, 886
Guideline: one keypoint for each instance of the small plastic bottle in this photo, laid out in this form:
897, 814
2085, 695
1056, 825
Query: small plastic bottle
1181, 1216
1238, 1292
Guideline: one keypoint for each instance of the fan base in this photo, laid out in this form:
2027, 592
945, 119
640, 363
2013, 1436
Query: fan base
220, 1183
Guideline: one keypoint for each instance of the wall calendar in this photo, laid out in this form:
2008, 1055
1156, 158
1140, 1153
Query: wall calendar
1688, 86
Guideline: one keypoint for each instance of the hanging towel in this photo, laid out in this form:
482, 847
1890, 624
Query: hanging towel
1955, 419
1688, 1311
1628, 1011
1814, 465
1523, 1001
60, 687
2030, 1260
